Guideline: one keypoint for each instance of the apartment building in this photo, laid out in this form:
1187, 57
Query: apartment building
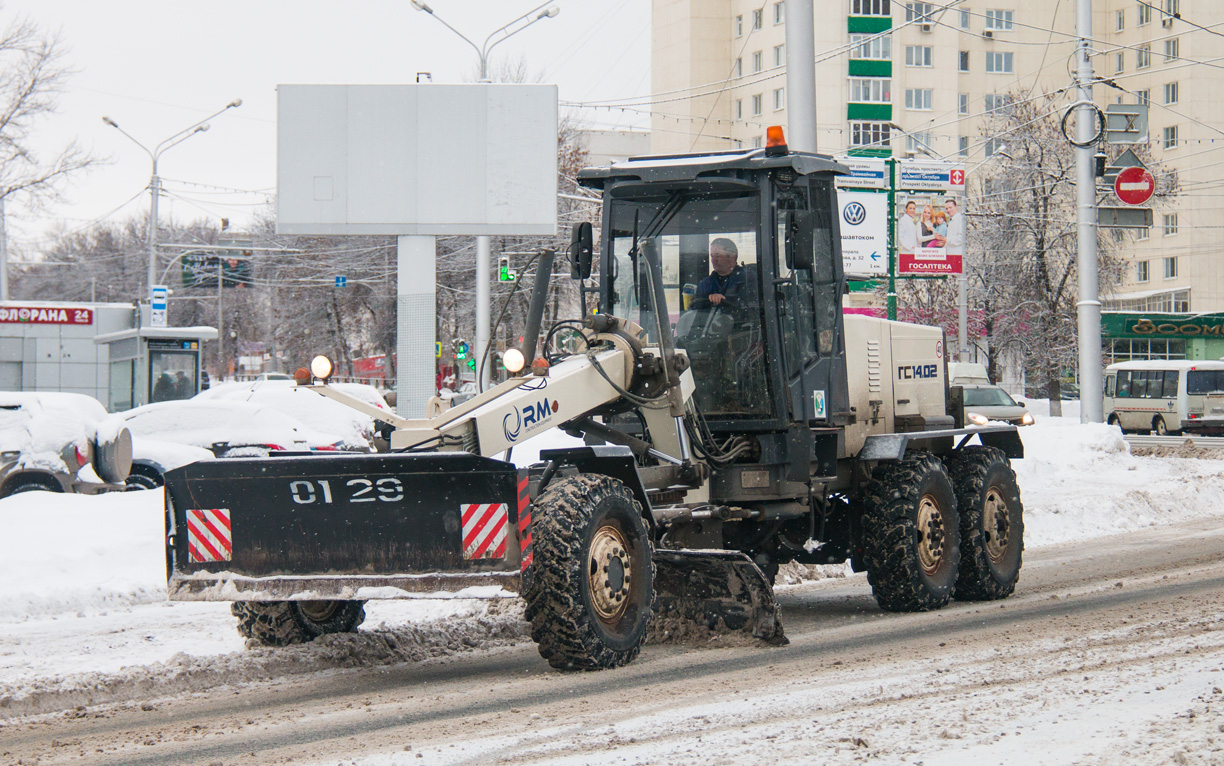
894, 77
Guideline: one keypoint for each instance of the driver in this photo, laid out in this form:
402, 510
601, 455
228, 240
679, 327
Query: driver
727, 280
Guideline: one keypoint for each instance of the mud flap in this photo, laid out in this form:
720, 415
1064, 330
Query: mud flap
718, 591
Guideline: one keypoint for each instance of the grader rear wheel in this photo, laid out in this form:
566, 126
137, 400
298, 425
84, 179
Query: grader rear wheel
911, 535
281, 623
991, 524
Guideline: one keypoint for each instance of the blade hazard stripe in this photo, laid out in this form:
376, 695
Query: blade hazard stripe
208, 535
484, 530
524, 522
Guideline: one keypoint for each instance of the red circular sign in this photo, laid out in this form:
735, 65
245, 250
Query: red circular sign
1134, 186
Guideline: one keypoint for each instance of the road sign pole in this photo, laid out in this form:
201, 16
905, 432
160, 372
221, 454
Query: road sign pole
892, 244
1089, 306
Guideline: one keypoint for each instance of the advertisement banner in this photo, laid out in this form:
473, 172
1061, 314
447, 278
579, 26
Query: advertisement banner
864, 232
930, 233
44, 315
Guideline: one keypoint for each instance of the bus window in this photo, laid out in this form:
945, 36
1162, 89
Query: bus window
1124, 384
1139, 379
1170, 384
1110, 383
1202, 381
1155, 384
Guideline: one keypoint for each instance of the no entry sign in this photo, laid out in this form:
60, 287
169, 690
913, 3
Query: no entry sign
1134, 186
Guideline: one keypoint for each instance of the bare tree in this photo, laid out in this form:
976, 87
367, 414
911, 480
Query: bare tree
33, 73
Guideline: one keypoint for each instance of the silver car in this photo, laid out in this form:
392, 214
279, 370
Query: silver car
984, 403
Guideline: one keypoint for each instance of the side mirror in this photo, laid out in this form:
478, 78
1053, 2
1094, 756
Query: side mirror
580, 249
800, 240
1020, 402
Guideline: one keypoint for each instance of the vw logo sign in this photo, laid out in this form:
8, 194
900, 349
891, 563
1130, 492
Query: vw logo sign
855, 213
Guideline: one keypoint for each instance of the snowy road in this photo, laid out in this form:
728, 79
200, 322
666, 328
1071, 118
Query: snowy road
1110, 652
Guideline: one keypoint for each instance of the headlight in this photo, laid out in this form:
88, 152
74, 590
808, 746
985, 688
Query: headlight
977, 419
1027, 420
513, 360
321, 367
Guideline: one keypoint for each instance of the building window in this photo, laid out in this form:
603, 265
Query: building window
1171, 7
999, 63
758, 18
739, 67
1171, 49
1119, 63
779, 12
1144, 233
877, 135
1120, 21
1170, 93
756, 142
920, 12
918, 142
994, 145
997, 102
1002, 20
878, 47
870, 7
964, 61
1170, 224
1145, 13
756, 61
1141, 272
779, 55
964, 19
739, 26
1170, 267
873, 90
962, 103
1170, 137
918, 98
919, 55
1143, 97
1143, 57
739, 108
756, 104
962, 146
779, 98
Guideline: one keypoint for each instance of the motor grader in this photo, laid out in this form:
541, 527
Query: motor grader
721, 439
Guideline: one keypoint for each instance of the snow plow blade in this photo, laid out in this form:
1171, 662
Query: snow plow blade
717, 591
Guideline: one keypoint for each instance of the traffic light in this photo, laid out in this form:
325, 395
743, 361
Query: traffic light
471, 363
461, 348
504, 274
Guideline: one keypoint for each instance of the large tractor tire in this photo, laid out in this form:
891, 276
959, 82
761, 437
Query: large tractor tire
591, 589
281, 623
911, 536
991, 524
31, 484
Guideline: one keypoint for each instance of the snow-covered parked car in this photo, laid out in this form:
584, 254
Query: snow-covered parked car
60, 442
227, 428
358, 431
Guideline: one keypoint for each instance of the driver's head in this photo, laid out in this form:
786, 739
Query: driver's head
723, 255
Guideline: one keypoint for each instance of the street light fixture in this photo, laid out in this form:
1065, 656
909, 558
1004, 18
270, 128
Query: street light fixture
539, 13
155, 181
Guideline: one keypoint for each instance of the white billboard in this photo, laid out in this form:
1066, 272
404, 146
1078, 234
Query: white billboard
417, 159
864, 232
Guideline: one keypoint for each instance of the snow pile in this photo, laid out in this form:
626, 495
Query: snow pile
76, 553
1079, 481
306, 406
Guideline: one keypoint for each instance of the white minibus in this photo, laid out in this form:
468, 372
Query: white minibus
1160, 395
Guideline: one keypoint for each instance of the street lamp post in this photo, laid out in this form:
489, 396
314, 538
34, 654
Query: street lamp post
155, 181
483, 255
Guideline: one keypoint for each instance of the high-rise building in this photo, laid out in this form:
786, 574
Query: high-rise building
895, 77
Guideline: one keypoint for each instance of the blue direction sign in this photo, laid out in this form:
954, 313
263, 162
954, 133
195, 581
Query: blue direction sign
341, 281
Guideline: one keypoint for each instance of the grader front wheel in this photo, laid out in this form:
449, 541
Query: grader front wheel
591, 588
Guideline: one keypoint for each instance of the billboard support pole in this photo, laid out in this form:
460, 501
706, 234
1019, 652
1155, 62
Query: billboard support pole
416, 303
892, 243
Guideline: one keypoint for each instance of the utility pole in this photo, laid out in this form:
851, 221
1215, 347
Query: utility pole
800, 75
1089, 306
4, 282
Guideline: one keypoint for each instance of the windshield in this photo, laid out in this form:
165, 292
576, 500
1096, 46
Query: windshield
707, 252
988, 397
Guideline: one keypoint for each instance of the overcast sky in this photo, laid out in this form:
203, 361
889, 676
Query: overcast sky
157, 66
